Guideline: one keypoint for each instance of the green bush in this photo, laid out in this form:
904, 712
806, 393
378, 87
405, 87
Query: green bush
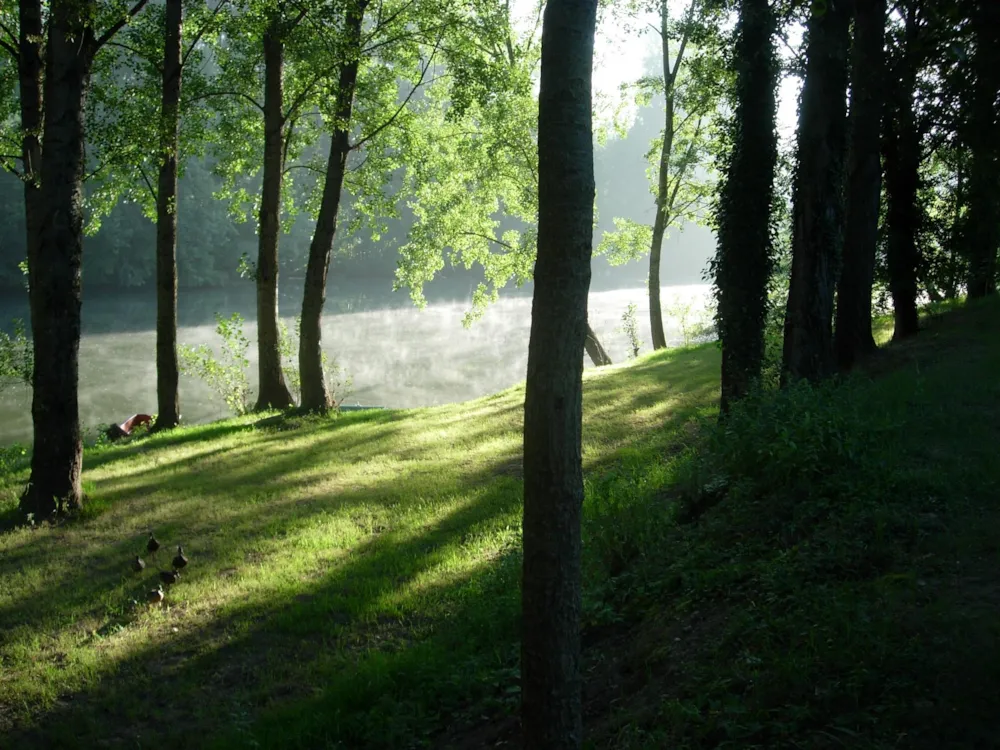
227, 374
17, 357
630, 327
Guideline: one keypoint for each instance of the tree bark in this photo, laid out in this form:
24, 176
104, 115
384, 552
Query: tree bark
853, 337
742, 266
984, 131
57, 454
315, 396
30, 69
273, 393
901, 149
817, 201
553, 404
661, 219
167, 397
595, 349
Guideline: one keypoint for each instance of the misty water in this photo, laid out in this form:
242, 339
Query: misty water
397, 355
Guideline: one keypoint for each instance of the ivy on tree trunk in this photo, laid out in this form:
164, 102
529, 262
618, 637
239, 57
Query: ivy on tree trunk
984, 132
817, 200
853, 335
901, 149
743, 261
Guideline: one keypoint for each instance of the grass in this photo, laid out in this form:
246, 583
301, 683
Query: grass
822, 574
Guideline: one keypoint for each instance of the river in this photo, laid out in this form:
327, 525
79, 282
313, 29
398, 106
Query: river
397, 355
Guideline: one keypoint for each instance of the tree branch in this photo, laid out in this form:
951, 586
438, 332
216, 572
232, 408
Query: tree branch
12, 51
149, 185
684, 41
118, 25
137, 53
310, 167
238, 94
13, 44
488, 238
423, 74
201, 32
381, 24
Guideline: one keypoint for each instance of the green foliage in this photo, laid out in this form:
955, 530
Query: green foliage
679, 164
17, 356
12, 457
694, 328
630, 327
795, 440
339, 383
471, 176
630, 241
226, 373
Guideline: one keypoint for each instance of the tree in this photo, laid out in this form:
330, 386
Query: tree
743, 262
167, 368
690, 99
139, 80
901, 152
315, 396
472, 174
29, 65
853, 332
983, 134
272, 392
817, 200
57, 456
553, 403
373, 62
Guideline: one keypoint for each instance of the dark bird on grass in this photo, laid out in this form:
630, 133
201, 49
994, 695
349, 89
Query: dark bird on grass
155, 596
138, 564
152, 545
179, 560
170, 576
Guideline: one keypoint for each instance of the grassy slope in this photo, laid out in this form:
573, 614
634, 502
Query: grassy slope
354, 581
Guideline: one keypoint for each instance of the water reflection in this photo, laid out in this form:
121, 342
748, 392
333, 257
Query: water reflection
398, 356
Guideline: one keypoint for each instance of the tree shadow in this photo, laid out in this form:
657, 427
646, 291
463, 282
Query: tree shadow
253, 674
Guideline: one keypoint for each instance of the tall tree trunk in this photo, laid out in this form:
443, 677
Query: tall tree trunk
984, 131
595, 349
272, 392
817, 201
553, 401
57, 454
168, 403
901, 149
742, 266
30, 70
661, 219
853, 337
315, 396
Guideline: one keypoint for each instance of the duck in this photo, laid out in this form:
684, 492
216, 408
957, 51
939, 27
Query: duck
152, 545
179, 560
155, 596
170, 576
138, 564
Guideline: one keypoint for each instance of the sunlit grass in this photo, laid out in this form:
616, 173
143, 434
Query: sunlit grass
354, 580
366, 557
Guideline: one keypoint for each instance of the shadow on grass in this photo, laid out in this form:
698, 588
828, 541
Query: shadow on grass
317, 665
373, 644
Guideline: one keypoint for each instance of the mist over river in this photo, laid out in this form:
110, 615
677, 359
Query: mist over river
398, 356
